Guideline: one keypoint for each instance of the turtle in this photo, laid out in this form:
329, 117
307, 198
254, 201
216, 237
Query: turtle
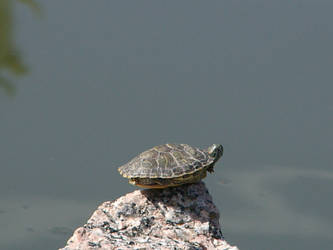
171, 165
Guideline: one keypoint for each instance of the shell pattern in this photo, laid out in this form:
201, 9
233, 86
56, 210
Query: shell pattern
167, 161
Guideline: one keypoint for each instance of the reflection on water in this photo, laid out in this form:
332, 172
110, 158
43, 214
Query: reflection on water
46, 222
279, 202
10, 58
65, 231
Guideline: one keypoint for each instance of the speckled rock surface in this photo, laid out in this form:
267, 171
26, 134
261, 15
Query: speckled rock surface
174, 218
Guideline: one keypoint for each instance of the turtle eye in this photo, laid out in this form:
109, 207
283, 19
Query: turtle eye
215, 151
219, 151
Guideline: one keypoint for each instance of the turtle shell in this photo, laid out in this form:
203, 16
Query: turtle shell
168, 162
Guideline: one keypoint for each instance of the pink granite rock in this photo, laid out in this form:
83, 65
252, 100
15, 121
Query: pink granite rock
174, 218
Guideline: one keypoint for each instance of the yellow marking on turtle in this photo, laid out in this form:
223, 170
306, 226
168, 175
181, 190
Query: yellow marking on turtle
186, 179
156, 186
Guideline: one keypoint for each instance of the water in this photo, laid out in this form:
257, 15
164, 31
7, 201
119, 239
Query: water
101, 82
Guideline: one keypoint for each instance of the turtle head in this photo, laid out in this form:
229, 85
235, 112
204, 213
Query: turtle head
215, 151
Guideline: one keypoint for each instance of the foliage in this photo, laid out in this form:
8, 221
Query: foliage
10, 58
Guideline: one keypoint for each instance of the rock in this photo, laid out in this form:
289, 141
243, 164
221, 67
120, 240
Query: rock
174, 218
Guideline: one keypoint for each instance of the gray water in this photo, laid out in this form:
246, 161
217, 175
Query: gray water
102, 81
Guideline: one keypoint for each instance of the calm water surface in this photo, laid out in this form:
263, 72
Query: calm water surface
85, 86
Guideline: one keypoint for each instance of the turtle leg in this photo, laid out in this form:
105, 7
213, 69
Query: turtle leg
210, 168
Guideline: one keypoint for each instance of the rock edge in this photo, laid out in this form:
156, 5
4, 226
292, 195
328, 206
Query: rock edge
174, 218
